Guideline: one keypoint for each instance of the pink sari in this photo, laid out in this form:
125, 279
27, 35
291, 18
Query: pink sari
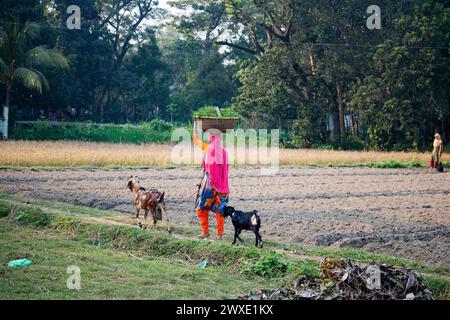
216, 164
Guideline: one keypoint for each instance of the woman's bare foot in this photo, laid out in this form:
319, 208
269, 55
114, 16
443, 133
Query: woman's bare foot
203, 236
219, 237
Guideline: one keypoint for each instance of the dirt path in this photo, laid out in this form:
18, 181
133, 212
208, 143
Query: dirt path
404, 212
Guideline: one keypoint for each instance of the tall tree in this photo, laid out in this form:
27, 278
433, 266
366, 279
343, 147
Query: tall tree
124, 20
21, 58
206, 75
405, 97
152, 81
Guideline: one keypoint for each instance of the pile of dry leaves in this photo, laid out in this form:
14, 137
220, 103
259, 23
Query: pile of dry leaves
344, 279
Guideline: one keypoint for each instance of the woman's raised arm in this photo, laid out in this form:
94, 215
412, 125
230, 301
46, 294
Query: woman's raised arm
198, 141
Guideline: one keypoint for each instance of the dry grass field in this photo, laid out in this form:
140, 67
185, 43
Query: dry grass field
79, 154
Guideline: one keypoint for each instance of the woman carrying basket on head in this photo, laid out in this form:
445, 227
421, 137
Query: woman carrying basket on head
213, 190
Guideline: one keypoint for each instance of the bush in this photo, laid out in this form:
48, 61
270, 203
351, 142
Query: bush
303, 134
159, 125
154, 131
31, 216
5, 210
414, 164
309, 268
270, 264
325, 147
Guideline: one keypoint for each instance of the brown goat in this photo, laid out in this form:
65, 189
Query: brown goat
150, 201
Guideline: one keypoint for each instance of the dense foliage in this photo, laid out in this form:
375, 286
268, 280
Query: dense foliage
312, 67
155, 131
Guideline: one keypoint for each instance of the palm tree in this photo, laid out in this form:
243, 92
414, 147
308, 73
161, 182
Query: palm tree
20, 59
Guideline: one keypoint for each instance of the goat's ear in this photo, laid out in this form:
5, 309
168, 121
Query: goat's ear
255, 211
161, 197
230, 210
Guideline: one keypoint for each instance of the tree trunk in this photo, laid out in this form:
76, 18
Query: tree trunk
335, 115
354, 126
340, 101
311, 62
6, 112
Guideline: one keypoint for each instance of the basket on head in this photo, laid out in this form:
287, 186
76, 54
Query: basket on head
221, 124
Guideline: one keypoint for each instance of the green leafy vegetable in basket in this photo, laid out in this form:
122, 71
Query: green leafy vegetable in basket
210, 111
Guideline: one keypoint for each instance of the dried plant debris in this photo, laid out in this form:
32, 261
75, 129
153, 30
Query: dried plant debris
346, 280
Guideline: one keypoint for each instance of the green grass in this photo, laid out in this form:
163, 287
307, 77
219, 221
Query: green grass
155, 131
440, 287
9, 200
307, 267
66, 209
105, 274
116, 261
391, 164
121, 261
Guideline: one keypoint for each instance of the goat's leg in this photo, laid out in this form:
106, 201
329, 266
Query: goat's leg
166, 218
258, 237
235, 236
255, 231
154, 219
137, 217
238, 235
145, 218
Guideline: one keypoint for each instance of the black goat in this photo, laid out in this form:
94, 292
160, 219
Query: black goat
244, 221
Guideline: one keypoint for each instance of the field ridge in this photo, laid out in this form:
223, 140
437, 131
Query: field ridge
97, 229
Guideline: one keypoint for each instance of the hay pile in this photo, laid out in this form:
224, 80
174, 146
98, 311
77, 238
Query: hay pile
346, 280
